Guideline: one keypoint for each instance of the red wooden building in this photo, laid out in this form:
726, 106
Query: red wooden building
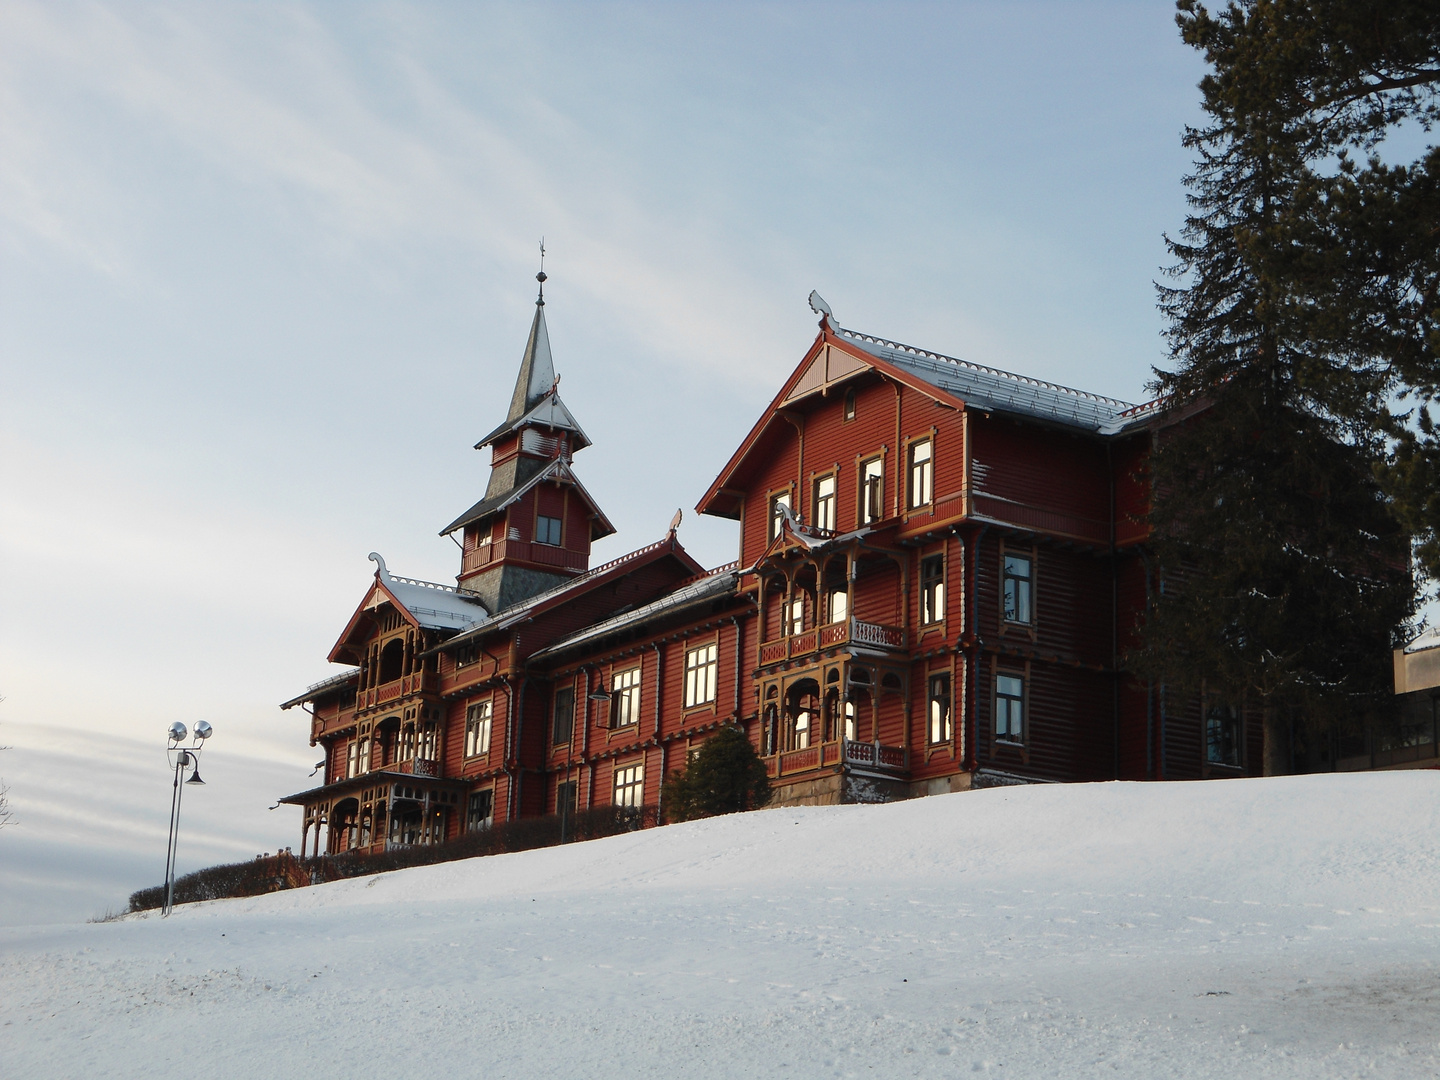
940, 567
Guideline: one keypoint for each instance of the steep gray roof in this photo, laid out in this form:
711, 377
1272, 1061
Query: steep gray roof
535, 400
1003, 391
717, 583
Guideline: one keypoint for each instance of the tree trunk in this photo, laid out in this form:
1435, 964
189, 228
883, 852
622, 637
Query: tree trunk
1277, 742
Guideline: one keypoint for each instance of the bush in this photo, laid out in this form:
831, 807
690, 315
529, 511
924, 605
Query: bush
724, 776
285, 871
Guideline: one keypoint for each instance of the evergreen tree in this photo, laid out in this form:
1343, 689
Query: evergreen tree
1285, 575
723, 776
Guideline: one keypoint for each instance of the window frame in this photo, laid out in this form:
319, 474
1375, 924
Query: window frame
863, 505
706, 672
1021, 700
1029, 556
543, 531
629, 778
932, 589
817, 500
1236, 720
562, 693
479, 728
773, 499
937, 692
912, 505
625, 700
473, 803
848, 406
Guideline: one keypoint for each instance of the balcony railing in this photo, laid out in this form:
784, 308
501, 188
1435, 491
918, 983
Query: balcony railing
847, 631
891, 759
525, 551
396, 689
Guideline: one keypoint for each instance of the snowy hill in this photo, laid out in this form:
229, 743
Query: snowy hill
1276, 928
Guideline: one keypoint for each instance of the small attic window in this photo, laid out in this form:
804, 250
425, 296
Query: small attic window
849, 413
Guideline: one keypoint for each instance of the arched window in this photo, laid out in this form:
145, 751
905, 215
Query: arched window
392, 658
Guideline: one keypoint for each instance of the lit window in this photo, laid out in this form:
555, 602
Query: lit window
1010, 708
1222, 735
429, 747
701, 673
407, 742
872, 490
629, 786
547, 531
825, 503
940, 730
477, 729
932, 589
625, 695
850, 720
800, 730
480, 814
776, 515
921, 474
795, 616
562, 721
1018, 582
839, 605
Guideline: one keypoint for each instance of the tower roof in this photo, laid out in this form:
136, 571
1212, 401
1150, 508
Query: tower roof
536, 399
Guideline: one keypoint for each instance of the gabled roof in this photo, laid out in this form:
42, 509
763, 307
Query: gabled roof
549, 412
558, 471
424, 604
838, 355
1002, 391
566, 591
718, 583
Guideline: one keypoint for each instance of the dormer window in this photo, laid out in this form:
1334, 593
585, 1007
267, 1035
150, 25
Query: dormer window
547, 531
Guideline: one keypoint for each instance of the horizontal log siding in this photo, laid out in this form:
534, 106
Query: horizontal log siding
1055, 482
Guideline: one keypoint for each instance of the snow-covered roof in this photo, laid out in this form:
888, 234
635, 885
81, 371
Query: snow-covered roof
713, 585
1428, 640
324, 686
521, 611
1004, 391
435, 606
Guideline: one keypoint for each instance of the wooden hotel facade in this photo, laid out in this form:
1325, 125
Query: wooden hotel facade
940, 567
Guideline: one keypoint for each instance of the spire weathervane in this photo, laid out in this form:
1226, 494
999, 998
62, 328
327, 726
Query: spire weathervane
540, 277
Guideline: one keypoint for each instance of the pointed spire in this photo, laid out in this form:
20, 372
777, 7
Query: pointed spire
537, 369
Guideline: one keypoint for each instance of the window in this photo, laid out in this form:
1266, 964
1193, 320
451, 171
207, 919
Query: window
625, 696
932, 589
357, 760
480, 814
939, 727
429, 748
547, 531
849, 412
1222, 735
872, 490
407, 742
565, 798
795, 616
850, 721
776, 515
629, 786
921, 474
1018, 581
825, 503
1009, 708
477, 729
839, 605
701, 671
562, 720
800, 730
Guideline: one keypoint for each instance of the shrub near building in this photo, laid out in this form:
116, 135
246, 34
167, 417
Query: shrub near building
723, 776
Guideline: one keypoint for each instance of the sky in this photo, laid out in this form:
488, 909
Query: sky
267, 270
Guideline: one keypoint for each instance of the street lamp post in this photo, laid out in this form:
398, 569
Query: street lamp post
181, 758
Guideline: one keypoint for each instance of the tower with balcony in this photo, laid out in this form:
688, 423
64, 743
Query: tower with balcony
533, 528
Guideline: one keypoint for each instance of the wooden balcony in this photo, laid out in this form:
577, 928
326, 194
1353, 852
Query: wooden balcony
845, 632
524, 551
890, 759
382, 695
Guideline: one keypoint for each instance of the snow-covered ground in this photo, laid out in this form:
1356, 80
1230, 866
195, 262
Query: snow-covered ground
1277, 928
